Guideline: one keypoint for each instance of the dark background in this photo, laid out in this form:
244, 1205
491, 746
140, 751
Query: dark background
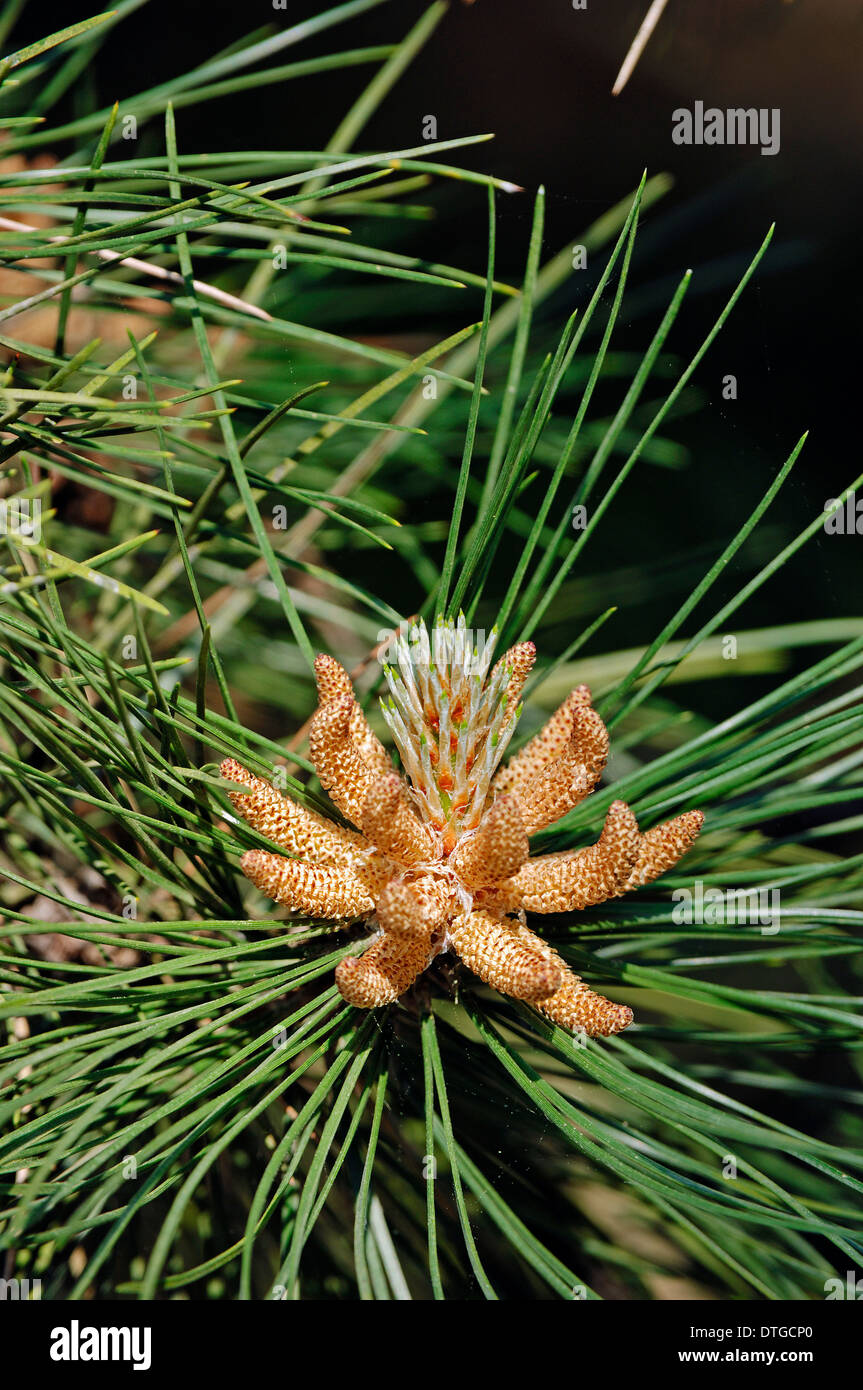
539, 75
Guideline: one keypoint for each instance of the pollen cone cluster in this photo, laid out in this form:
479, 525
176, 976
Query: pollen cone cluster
439, 858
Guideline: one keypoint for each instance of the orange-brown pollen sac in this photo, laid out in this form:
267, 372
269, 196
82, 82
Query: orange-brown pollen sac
439, 858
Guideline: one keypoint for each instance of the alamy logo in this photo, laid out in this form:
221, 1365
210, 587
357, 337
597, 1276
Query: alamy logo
77, 1343
737, 125
20, 1289
467, 649
706, 905
21, 517
843, 519
851, 1288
